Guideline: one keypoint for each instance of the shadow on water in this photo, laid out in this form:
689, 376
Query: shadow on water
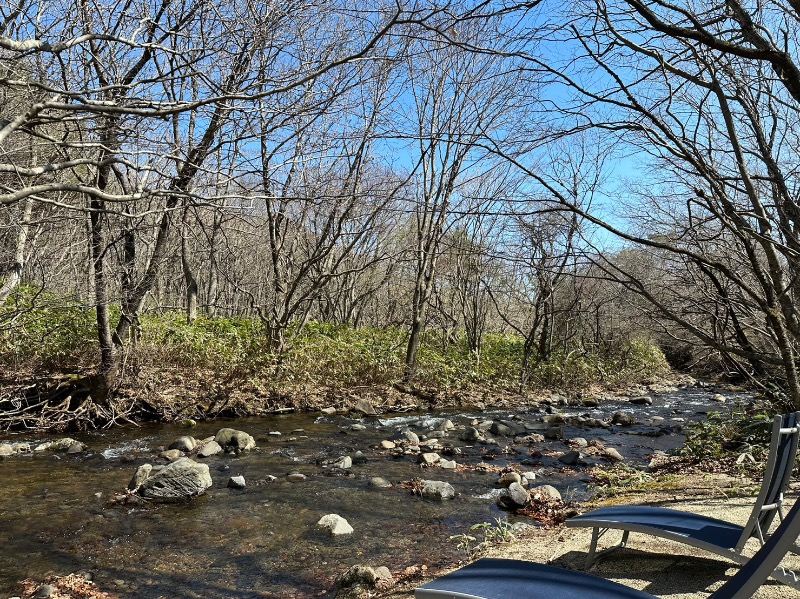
261, 541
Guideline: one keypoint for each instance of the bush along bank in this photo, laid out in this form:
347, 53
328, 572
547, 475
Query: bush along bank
223, 366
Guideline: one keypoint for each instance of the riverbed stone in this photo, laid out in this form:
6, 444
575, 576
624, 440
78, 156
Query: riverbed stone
528, 478
448, 425
437, 490
296, 477
428, 459
209, 449
613, 454
184, 444
590, 402
334, 525
140, 476
470, 435
329, 411
718, 397
507, 478
236, 482
411, 436
358, 575
344, 463
448, 464
546, 492
171, 454
386, 444
641, 400
570, 458
358, 427
364, 407
578, 442
378, 482
623, 419
232, 439
182, 479
58, 445
6, 449
516, 496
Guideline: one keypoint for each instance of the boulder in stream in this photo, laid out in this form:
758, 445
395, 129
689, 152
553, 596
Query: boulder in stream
232, 440
209, 449
365, 407
178, 481
437, 490
334, 525
185, 444
514, 497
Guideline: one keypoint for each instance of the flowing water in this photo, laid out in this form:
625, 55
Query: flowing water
261, 541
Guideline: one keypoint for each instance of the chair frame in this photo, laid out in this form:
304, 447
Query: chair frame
769, 503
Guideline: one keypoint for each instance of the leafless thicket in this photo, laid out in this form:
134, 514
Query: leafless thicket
424, 166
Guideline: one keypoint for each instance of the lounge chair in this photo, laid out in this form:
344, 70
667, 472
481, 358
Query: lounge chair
713, 535
502, 579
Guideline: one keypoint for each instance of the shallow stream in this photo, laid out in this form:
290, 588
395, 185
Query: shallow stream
261, 541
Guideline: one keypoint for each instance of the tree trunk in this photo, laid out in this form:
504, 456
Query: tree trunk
15, 272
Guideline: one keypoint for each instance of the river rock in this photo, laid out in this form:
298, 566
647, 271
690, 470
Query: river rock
428, 459
236, 482
718, 397
554, 419
470, 435
182, 479
546, 491
185, 444
378, 482
500, 428
231, 439
58, 445
344, 463
570, 458
448, 464
507, 478
578, 442
388, 444
329, 411
335, 525
516, 496
448, 425
528, 478
171, 454
187, 423
411, 436
358, 580
209, 449
623, 419
296, 477
641, 400
437, 490
365, 407
6, 449
140, 476
613, 455
358, 427
590, 402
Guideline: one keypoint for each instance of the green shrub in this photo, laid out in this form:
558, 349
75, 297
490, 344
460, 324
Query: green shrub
735, 432
41, 327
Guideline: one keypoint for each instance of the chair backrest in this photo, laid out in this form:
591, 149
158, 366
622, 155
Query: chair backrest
780, 463
756, 571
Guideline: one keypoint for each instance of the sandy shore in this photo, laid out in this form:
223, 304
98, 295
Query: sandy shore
660, 567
